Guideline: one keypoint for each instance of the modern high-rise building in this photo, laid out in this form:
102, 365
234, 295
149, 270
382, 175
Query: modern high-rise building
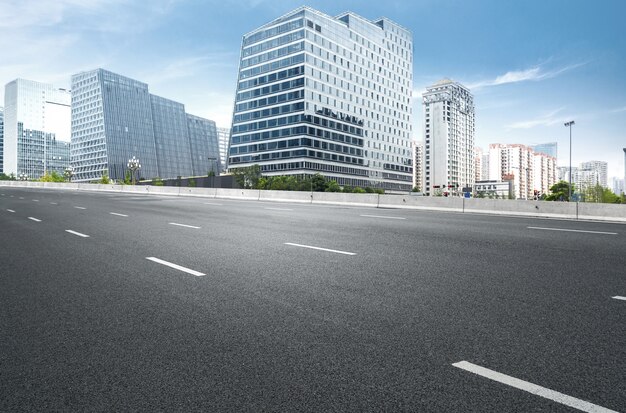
449, 137
223, 135
36, 128
601, 168
550, 149
328, 95
418, 165
115, 118
1, 138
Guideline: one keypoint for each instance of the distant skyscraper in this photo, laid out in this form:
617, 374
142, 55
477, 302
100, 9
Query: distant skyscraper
115, 118
550, 149
601, 169
478, 165
617, 185
223, 135
1, 138
449, 136
328, 95
625, 167
36, 120
418, 165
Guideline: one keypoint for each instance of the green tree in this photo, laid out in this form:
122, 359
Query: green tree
248, 177
358, 190
318, 183
53, 176
191, 183
5, 177
560, 191
598, 193
157, 181
332, 186
105, 178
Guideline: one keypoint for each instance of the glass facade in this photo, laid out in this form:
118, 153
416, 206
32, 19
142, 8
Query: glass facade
204, 145
223, 135
546, 148
36, 117
326, 94
170, 135
115, 118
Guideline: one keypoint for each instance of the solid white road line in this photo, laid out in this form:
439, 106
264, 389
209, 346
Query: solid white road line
532, 388
116, 214
77, 233
574, 230
35, 200
53, 203
380, 216
10, 210
321, 249
279, 209
77, 207
212, 203
619, 297
176, 266
184, 225
34, 219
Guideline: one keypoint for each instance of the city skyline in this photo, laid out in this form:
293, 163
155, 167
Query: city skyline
530, 66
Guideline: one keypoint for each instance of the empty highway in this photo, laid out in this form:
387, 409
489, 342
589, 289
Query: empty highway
113, 302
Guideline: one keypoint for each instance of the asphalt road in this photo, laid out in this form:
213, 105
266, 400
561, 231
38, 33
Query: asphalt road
375, 317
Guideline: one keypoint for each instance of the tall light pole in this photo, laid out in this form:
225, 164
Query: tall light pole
133, 165
569, 190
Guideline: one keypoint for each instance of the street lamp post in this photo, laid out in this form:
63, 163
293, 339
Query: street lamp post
23, 177
569, 190
133, 165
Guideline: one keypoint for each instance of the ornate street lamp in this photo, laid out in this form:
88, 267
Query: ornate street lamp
133, 165
69, 172
23, 177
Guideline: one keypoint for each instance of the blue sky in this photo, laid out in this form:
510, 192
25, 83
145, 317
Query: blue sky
531, 64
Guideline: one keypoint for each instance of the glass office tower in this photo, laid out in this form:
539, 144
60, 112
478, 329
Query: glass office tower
35, 114
115, 118
203, 139
329, 95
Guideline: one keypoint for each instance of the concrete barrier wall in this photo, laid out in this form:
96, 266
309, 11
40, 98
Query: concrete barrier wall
338, 198
285, 196
570, 210
602, 211
250, 194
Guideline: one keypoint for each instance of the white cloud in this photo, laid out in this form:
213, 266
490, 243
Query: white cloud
547, 119
533, 74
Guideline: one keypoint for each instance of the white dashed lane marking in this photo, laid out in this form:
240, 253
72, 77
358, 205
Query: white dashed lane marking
532, 388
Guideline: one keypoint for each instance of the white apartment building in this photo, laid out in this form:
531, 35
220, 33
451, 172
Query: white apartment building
449, 137
328, 95
418, 165
601, 169
532, 173
36, 117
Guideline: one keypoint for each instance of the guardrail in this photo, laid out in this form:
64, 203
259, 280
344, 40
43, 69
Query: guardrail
546, 209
